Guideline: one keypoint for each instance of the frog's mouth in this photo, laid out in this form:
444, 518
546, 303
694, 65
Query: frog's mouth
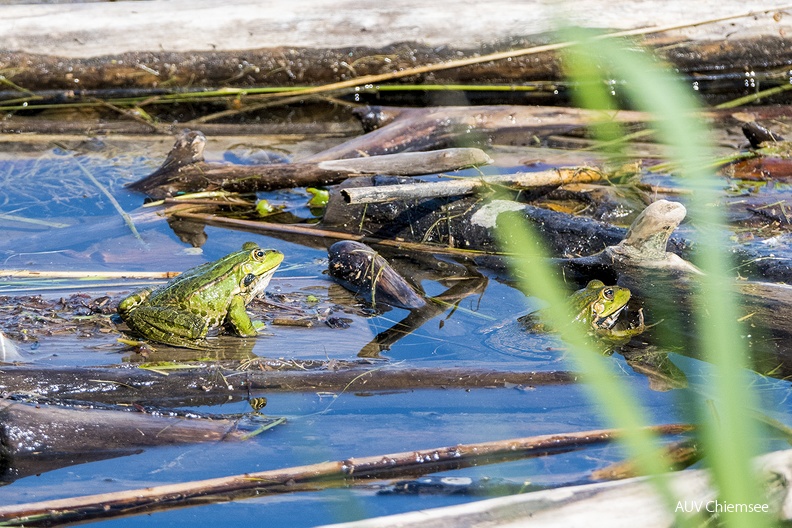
608, 321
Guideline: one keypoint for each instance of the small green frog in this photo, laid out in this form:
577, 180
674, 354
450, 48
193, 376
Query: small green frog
181, 312
598, 307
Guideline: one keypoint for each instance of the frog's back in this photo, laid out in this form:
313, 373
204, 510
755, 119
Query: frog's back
195, 283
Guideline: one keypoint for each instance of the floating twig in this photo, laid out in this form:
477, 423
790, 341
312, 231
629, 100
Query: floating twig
220, 197
27, 288
208, 202
35, 221
89, 275
117, 206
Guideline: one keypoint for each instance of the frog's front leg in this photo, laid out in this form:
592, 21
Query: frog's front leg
169, 325
238, 318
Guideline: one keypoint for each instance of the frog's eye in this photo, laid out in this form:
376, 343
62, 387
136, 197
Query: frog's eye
249, 278
608, 293
258, 254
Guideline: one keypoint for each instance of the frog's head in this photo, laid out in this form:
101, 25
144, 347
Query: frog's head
607, 302
256, 269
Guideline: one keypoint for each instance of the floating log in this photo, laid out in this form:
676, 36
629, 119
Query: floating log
411, 163
473, 225
764, 169
77, 130
184, 169
309, 234
472, 231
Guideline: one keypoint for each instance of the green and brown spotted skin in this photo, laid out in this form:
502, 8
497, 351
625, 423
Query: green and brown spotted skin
181, 312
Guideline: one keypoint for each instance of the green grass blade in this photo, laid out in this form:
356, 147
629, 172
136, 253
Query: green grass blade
729, 436
730, 439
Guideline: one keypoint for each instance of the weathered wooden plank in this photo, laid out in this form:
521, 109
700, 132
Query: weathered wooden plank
137, 45
92, 29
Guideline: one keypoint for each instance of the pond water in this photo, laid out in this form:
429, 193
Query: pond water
84, 232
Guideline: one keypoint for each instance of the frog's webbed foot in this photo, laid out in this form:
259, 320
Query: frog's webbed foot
533, 323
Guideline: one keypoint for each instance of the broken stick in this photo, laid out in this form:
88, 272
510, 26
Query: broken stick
463, 186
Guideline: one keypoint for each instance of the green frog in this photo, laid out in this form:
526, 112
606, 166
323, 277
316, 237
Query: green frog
598, 307
181, 312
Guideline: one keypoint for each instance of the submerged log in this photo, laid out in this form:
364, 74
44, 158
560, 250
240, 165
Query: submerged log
37, 437
203, 384
764, 313
41, 427
184, 169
